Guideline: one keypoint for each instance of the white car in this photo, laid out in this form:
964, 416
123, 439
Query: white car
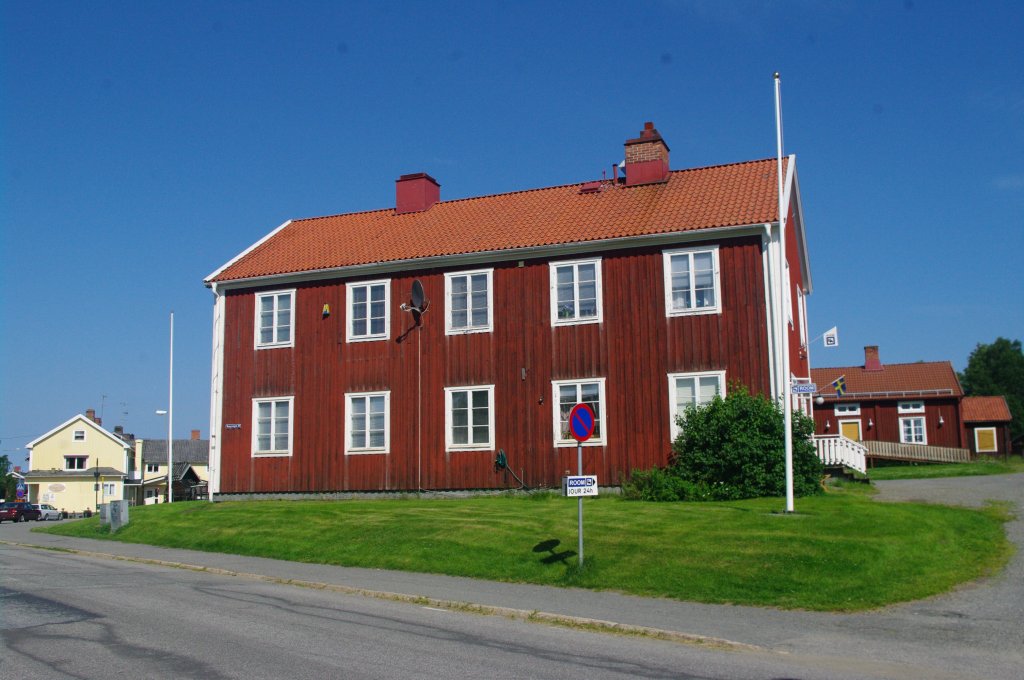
46, 511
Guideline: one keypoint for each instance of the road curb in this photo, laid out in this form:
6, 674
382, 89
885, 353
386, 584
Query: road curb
533, 616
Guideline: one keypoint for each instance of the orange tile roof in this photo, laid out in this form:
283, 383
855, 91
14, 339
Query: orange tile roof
986, 409
719, 196
925, 378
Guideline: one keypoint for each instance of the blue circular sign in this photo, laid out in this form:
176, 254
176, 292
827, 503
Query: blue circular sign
581, 422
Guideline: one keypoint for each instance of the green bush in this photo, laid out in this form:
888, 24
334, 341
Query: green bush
730, 449
734, 447
659, 484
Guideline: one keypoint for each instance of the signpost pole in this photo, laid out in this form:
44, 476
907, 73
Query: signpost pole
581, 426
579, 501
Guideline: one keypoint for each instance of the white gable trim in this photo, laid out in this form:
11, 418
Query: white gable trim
245, 252
87, 422
793, 189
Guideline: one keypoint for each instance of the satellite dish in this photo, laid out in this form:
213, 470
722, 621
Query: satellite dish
418, 303
417, 295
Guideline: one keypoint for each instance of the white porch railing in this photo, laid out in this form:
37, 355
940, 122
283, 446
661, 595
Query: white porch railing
838, 450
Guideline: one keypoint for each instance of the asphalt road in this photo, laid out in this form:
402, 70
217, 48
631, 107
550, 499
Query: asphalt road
75, 615
69, 616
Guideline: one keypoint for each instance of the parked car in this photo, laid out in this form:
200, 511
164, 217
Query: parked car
17, 512
46, 512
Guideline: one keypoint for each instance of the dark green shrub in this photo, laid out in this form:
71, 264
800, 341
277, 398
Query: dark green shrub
656, 484
733, 447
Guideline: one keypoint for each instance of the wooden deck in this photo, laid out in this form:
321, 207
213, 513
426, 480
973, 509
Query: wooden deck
915, 453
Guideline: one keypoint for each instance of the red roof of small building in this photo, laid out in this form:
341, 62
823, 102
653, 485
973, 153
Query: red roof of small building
986, 410
719, 196
923, 379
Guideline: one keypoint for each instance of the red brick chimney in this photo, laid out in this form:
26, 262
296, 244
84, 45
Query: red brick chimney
416, 193
90, 413
195, 435
646, 157
871, 360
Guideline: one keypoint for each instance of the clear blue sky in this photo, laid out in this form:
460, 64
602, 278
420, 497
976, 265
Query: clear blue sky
144, 144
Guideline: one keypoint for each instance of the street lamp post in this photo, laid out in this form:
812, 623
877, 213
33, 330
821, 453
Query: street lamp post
96, 487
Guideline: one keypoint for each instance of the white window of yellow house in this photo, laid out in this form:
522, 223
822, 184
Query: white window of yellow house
75, 462
985, 440
79, 435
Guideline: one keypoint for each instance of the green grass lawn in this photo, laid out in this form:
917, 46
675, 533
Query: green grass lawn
840, 551
991, 466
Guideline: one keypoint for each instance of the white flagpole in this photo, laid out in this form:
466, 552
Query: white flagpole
787, 381
170, 420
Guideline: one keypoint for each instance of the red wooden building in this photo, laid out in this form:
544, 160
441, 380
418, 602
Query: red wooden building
636, 295
987, 420
915, 403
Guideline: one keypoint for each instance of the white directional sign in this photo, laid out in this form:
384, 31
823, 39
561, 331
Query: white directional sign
585, 485
804, 388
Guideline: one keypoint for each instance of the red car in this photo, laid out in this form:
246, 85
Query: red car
17, 512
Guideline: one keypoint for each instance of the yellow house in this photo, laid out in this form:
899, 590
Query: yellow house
78, 465
190, 474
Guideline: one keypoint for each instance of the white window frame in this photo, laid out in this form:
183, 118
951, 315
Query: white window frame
351, 450
848, 409
924, 430
82, 466
995, 440
487, 326
272, 453
78, 436
667, 256
673, 407
449, 420
602, 415
369, 336
109, 489
576, 320
152, 467
916, 406
275, 294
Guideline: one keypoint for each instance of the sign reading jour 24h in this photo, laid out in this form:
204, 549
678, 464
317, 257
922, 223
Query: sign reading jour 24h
583, 485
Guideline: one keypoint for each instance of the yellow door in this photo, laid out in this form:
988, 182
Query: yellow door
850, 429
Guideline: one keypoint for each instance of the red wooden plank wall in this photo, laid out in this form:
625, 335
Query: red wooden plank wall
634, 349
886, 420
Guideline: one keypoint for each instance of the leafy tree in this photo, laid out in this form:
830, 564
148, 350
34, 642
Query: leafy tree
998, 370
8, 485
734, 448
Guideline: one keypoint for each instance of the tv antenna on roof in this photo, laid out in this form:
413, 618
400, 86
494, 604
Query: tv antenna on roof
418, 303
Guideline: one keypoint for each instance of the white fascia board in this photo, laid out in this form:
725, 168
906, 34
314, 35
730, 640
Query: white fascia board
451, 262
768, 237
793, 190
216, 393
208, 280
84, 420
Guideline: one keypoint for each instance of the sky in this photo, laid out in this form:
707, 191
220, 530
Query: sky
145, 144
